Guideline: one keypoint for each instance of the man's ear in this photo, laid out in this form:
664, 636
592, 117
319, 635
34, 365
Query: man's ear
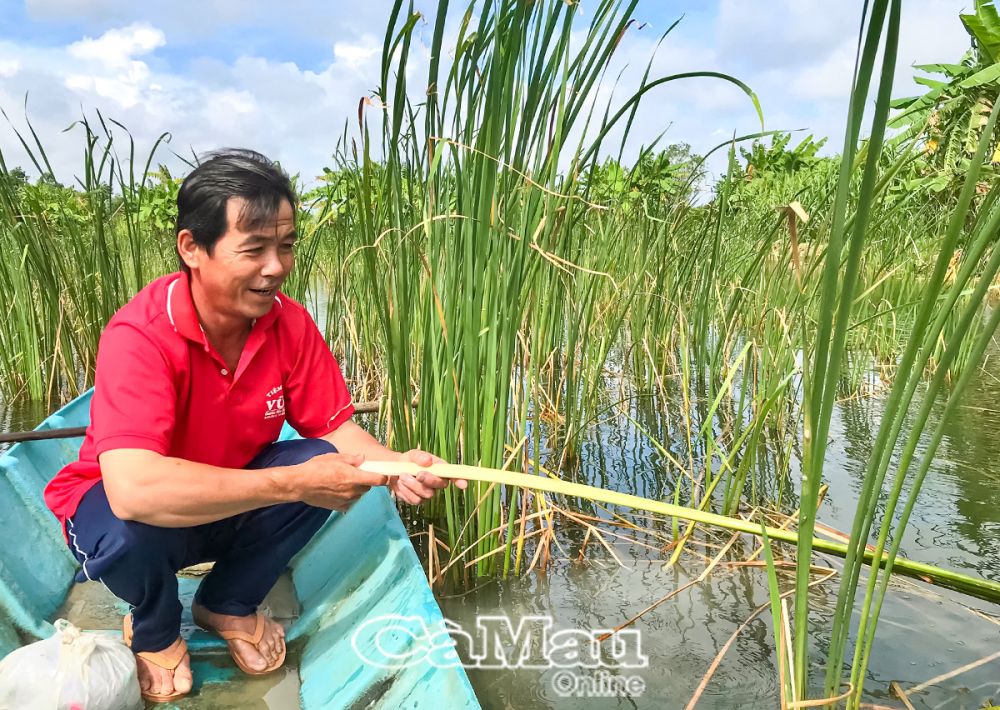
188, 249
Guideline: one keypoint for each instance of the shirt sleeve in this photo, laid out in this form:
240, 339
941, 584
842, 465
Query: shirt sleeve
316, 397
134, 403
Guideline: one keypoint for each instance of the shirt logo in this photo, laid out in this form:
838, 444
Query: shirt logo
275, 403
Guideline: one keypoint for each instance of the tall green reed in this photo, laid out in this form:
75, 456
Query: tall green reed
491, 278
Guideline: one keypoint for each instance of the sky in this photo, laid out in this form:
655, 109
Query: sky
283, 78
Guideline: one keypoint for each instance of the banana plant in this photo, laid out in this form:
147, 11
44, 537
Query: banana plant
951, 114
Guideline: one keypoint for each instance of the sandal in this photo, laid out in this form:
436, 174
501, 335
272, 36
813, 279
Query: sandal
169, 661
253, 639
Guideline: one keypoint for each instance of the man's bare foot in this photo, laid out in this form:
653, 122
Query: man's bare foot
259, 657
155, 680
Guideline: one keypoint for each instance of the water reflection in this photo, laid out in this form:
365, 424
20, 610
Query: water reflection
923, 632
22, 416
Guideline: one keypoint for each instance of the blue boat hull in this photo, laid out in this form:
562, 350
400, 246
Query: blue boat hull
358, 569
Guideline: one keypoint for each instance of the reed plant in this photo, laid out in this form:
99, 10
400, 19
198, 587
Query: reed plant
76, 251
940, 304
488, 267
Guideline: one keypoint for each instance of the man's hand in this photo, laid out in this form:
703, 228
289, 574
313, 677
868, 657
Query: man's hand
334, 481
420, 488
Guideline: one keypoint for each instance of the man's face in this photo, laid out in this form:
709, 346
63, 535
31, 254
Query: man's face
247, 265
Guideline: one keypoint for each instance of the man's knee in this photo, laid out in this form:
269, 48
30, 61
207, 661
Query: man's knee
128, 548
152, 538
301, 450
101, 541
137, 546
291, 452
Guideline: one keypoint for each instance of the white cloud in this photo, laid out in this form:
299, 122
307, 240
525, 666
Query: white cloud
829, 79
929, 32
783, 33
357, 54
796, 55
799, 56
193, 22
9, 67
117, 47
106, 66
292, 114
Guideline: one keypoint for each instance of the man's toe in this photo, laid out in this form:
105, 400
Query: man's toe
277, 640
182, 679
251, 656
145, 682
161, 686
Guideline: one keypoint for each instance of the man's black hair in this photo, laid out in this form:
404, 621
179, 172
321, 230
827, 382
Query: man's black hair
222, 174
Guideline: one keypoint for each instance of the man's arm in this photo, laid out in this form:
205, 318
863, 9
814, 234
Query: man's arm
317, 398
352, 439
161, 490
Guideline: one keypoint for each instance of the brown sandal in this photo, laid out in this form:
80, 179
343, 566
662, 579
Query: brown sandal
253, 639
167, 660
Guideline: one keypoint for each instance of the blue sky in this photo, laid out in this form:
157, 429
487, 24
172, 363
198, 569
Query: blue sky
284, 77
263, 29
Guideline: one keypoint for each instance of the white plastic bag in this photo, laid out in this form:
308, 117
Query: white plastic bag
70, 670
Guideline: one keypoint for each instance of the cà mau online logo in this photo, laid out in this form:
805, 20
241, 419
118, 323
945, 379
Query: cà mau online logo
397, 641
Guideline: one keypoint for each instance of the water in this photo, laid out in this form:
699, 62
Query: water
21, 416
924, 632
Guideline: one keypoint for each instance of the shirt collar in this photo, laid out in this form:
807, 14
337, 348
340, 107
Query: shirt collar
184, 318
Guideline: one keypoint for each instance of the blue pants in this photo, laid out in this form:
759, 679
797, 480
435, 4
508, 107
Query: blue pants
139, 562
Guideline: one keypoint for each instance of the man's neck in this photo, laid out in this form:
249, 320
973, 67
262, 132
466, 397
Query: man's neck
222, 331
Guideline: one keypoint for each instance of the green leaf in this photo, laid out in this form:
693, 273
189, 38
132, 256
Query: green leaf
951, 70
774, 593
928, 99
987, 13
985, 76
932, 83
903, 102
984, 27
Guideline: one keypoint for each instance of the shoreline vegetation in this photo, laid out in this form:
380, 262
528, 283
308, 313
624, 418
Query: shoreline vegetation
500, 262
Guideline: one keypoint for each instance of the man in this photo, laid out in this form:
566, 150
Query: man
195, 377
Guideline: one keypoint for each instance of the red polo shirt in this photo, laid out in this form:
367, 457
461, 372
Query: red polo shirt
161, 386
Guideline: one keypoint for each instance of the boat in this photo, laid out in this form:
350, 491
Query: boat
343, 590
